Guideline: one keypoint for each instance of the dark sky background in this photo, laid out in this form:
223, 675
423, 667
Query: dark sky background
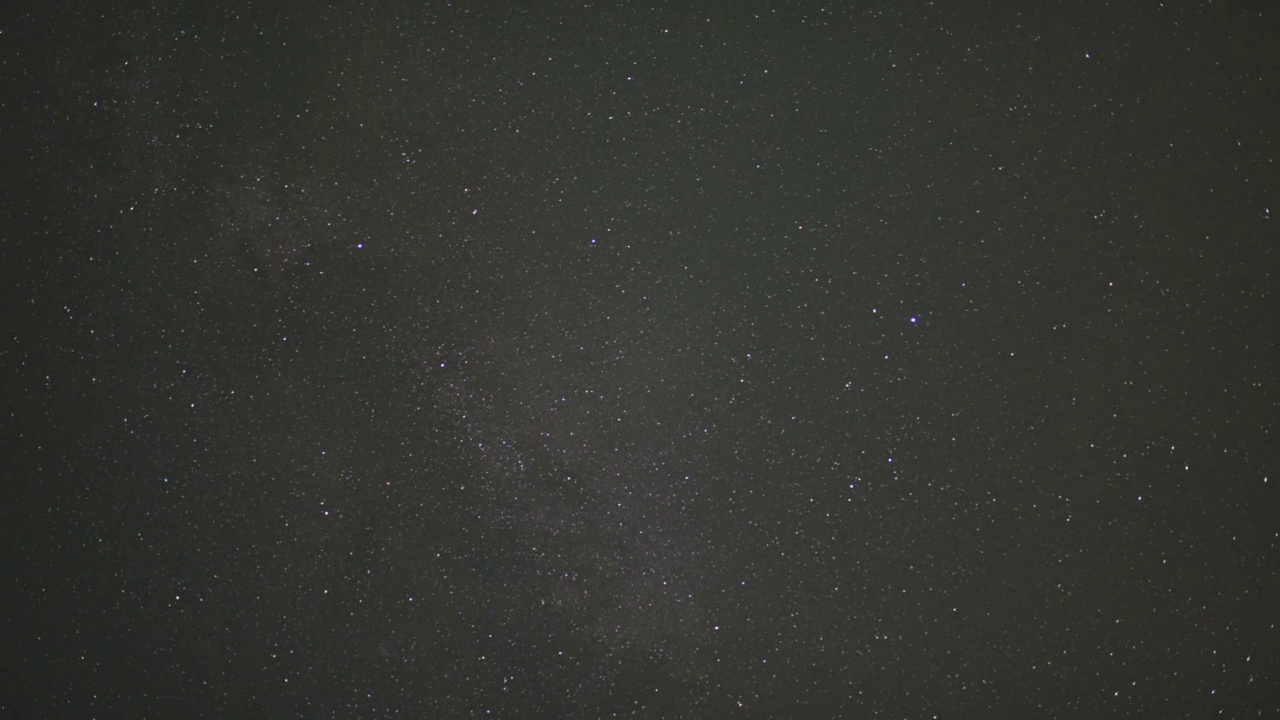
489, 359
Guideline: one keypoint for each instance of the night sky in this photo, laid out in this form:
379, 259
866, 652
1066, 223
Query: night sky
621, 359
